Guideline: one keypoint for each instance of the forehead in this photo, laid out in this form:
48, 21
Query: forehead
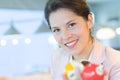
61, 17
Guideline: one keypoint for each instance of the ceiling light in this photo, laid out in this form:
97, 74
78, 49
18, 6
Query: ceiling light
118, 30
12, 30
27, 40
105, 33
52, 40
43, 28
15, 41
3, 42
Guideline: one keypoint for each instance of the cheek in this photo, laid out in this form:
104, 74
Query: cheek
78, 32
81, 33
58, 39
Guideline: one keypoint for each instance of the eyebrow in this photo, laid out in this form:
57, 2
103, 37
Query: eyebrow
55, 27
69, 22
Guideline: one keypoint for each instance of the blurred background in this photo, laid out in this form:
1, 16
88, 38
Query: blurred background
26, 42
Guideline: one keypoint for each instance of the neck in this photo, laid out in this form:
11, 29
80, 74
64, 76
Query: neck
86, 52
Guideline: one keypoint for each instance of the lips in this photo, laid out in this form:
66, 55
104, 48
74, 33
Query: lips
71, 44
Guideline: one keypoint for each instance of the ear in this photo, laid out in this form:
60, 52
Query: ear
90, 20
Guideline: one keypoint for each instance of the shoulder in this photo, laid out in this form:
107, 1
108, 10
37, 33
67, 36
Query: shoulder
109, 55
113, 63
110, 59
112, 54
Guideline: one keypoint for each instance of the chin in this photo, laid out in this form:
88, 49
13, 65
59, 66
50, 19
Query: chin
73, 53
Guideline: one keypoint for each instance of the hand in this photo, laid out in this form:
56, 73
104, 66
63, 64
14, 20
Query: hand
65, 77
76, 75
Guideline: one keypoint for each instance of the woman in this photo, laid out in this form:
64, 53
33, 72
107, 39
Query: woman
71, 23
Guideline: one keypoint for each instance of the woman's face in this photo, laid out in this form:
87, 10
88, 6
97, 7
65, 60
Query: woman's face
72, 32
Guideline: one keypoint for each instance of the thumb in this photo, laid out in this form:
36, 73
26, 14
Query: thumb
64, 77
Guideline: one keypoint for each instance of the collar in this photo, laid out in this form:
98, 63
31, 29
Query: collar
97, 54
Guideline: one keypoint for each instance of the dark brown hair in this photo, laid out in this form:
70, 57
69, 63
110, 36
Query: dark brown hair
79, 7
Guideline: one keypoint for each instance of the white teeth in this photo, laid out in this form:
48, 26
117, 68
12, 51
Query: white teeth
70, 44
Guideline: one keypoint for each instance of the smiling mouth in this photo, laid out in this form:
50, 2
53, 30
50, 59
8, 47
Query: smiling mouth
71, 44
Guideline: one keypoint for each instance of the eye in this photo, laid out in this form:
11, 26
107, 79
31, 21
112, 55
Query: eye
55, 30
71, 25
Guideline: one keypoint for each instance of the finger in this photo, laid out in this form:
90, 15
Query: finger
78, 72
65, 77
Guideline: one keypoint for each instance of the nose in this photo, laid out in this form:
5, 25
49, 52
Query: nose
66, 34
